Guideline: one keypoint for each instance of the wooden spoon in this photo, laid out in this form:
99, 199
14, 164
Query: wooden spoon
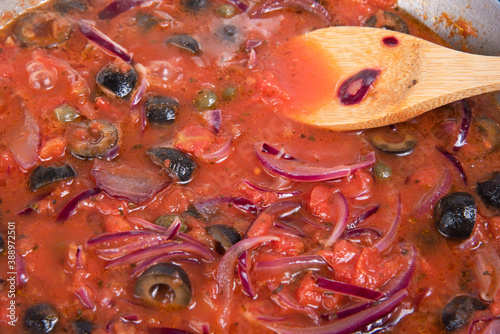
410, 76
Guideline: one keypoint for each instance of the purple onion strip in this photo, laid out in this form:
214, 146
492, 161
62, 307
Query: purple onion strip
225, 272
386, 241
286, 303
219, 154
283, 209
298, 171
464, 127
119, 236
96, 36
118, 7
307, 5
362, 216
434, 194
145, 224
21, 277
113, 253
239, 4
281, 194
143, 86
156, 250
343, 213
173, 229
83, 294
346, 325
214, 119
455, 163
244, 274
291, 264
70, 207
347, 289
178, 255
355, 232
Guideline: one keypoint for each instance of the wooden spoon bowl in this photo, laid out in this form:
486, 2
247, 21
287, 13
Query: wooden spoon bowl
388, 77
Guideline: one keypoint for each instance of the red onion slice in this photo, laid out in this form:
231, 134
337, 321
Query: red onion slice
464, 127
345, 325
340, 202
113, 253
302, 172
387, 240
281, 194
209, 208
456, 163
131, 183
292, 264
307, 5
287, 303
347, 289
218, 154
147, 225
239, 4
24, 147
118, 7
178, 255
442, 187
21, 277
283, 209
141, 90
225, 273
70, 207
402, 281
119, 236
160, 249
83, 294
244, 274
487, 260
362, 216
214, 119
96, 36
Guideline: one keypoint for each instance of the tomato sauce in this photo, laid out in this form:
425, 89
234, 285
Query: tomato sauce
152, 182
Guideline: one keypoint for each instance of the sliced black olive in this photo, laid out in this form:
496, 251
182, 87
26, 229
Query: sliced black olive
117, 79
227, 33
146, 21
66, 6
195, 5
43, 29
225, 237
178, 163
39, 319
457, 313
161, 109
91, 139
185, 42
455, 215
82, 327
42, 176
399, 141
387, 20
489, 191
164, 284
167, 220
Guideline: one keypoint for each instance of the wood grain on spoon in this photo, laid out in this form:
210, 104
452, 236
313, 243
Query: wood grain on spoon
412, 76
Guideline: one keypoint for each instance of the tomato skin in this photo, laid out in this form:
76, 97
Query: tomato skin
261, 226
288, 245
115, 224
358, 185
194, 139
342, 258
53, 148
320, 203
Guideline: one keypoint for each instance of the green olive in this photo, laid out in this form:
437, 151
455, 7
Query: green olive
382, 171
167, 220
205, 100
226, 11
229, 93
66, 114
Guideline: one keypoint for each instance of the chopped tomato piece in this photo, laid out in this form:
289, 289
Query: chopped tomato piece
373, 271
308, 293
320, 203
357, 185
288, 245
342, 259
53, 148
194, 139
114, 224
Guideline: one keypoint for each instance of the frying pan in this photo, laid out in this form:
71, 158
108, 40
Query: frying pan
444, 16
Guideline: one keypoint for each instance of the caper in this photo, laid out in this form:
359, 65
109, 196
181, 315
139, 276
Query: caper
382, 171
167, 220
229, 93
226, 11
66, 114
205, 100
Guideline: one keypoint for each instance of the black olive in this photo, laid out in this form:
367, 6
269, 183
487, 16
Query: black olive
42, 176
39, 319
387, 20
400, 141
225, 237
91, 139
117, 79
455, 215
66, 6
146, 21
161, 109
457, 313
82, 327
489, 191
195, 5
185, 42
180, 164
43, 29
227, 33
164, 284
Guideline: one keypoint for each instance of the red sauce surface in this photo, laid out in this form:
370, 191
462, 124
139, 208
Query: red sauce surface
77, 278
